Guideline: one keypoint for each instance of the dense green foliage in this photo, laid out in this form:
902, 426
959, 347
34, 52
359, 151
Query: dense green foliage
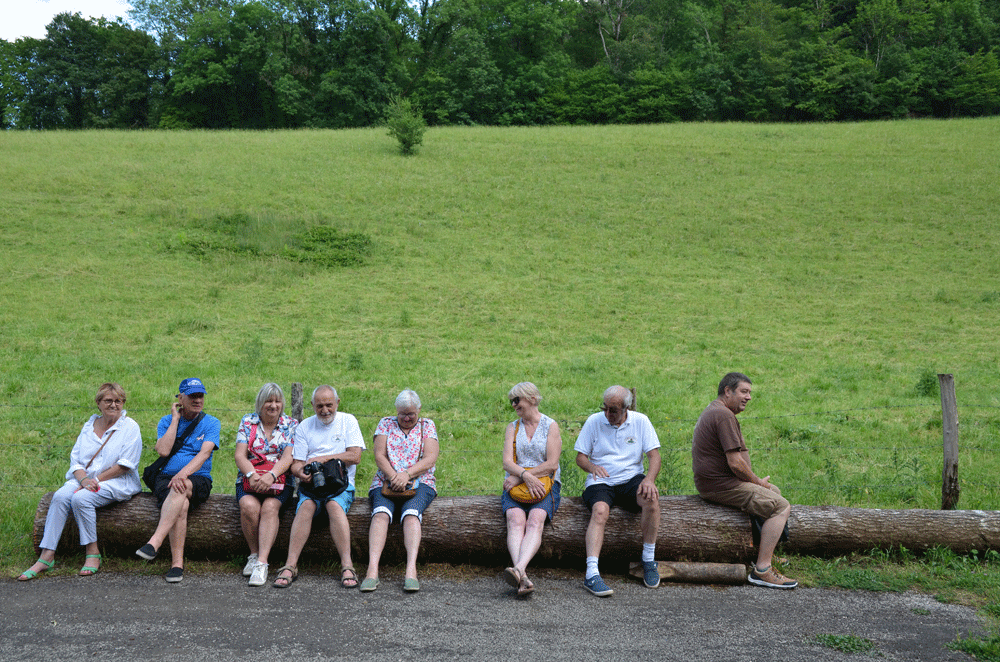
333, 64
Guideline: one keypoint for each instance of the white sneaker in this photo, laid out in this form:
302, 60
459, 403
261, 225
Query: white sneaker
251, 564
259, 575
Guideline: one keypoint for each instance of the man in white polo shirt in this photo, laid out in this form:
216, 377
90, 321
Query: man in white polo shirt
610, 448
327, 435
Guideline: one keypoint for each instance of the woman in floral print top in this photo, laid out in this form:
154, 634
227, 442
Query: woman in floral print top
406, 449
263, 457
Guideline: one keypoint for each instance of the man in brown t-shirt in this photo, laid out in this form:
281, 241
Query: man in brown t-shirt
722, 474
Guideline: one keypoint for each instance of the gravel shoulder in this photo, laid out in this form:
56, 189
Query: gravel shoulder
124, 616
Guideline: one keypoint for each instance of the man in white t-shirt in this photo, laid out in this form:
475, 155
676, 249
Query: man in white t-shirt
610, 448
327, 435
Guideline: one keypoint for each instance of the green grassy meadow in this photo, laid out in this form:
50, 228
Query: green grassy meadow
841, 266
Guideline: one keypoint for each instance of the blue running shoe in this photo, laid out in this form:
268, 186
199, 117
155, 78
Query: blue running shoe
597, 586
650, 574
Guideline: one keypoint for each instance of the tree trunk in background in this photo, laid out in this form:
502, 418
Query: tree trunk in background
472, 530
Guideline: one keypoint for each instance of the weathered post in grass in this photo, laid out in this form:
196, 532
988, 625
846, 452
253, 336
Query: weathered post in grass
949, 425
297, 401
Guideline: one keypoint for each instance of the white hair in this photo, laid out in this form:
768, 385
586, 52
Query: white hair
621, 393
320, 388
407, 398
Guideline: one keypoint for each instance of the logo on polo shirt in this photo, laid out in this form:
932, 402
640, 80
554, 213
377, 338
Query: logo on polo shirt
630, 440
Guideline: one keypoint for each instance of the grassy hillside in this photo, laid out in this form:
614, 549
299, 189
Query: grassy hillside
840, 266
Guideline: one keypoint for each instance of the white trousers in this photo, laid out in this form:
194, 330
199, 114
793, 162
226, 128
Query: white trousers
84, 505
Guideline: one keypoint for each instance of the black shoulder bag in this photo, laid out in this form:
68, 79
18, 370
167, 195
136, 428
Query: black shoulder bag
150, 473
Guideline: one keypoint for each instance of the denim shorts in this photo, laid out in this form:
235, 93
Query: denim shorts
623, 495
344, 500
550, 504
415, 505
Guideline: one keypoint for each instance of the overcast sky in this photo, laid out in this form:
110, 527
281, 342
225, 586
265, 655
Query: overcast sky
28, 18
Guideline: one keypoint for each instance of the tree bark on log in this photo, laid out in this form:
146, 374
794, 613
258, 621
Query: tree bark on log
695, 573
472, 530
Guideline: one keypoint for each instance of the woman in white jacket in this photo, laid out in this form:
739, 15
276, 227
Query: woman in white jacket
102, 470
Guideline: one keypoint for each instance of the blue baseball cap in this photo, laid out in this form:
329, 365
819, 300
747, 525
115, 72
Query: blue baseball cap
192, 385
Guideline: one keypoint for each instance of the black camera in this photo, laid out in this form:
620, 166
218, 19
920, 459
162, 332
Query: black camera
315, 469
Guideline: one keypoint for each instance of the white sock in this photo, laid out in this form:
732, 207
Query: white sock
648, 552
591, 567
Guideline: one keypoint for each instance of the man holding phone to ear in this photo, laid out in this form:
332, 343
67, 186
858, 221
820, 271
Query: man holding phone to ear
186, 480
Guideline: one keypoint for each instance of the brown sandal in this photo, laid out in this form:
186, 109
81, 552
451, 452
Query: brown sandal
285, 582
525, 587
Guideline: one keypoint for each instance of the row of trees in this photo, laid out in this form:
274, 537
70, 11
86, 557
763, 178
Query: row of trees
338, 63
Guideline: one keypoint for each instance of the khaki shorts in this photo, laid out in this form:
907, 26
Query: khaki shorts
750, 498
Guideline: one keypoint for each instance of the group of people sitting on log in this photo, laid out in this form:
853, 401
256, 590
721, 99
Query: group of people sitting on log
278, 457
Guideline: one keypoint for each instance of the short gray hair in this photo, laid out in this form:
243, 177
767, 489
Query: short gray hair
320, 388
407, 398
525, 391
266, 394
621, 393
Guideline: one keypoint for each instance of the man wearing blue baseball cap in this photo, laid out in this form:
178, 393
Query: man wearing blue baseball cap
186, 480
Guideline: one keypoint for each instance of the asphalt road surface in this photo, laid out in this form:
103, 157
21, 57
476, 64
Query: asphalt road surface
119, 616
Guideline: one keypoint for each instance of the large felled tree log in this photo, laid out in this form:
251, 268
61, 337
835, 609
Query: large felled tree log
472, 530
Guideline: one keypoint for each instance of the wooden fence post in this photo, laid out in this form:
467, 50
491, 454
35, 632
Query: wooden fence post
297, 401
950, 488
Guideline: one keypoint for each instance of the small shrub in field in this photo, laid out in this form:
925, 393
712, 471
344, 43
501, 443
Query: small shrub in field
927, 385
405, 124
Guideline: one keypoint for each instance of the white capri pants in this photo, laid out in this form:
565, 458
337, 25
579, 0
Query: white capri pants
83, 503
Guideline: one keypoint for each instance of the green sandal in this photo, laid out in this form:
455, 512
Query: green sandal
87, 570
31, 574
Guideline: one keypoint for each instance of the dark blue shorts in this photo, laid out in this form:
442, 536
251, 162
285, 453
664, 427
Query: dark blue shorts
550, 504
397, 509
623, 496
